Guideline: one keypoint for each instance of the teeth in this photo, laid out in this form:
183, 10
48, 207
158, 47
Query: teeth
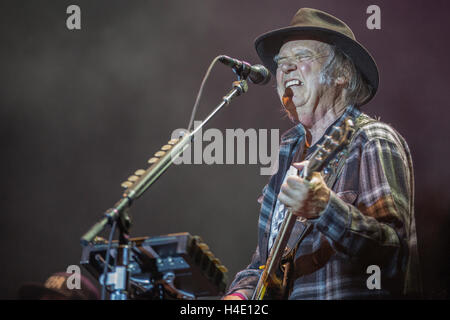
293, 83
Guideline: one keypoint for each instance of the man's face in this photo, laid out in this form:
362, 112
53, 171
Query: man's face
298, 80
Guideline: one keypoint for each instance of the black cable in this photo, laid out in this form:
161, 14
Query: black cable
191, 122
199, 94
105, 268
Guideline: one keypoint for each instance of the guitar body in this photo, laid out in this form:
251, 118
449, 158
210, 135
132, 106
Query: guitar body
278, 288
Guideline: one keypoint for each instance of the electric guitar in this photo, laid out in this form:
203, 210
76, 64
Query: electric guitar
337, 139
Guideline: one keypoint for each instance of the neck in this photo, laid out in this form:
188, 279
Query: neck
317, 130
328, 109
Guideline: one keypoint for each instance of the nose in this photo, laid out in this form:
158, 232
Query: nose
288, 66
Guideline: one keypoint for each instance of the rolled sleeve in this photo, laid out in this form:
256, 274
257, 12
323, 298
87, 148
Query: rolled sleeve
334, 220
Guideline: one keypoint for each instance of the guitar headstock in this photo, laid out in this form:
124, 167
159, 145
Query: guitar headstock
338, 138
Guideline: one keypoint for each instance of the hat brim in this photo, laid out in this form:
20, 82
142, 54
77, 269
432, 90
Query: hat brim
268, 45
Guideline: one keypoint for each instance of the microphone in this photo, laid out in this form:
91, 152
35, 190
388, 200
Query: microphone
257, 73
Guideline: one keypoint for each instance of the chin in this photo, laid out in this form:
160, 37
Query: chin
306, 120
300, 115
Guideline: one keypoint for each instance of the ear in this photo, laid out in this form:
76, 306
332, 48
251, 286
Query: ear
340, 81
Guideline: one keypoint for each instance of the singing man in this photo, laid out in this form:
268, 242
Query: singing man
362, 240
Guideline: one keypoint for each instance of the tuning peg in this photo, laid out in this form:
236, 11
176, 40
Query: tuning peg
152, 160
173, 141
332, 141
337, 129
166, 147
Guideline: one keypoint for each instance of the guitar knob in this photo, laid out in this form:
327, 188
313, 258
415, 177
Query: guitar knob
153, 160
203, 246
222, 268
133, 178
209, 254
139, 172
126, 184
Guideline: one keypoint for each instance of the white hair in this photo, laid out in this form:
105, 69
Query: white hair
340, 64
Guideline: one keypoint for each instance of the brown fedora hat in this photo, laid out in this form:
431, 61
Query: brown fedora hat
317, 25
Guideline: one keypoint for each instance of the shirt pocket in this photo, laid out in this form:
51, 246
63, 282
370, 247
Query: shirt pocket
348, 196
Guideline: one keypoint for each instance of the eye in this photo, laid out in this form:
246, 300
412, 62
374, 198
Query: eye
279, 61
303, 57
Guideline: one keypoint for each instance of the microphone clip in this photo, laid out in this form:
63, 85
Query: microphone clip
257, 74
242, 70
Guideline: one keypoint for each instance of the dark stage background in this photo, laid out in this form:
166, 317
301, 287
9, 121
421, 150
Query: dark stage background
82, 110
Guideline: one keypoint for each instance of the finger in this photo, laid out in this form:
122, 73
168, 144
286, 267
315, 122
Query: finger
316, 177
316, 180
300, 165
296, 183
289, 191
286, 200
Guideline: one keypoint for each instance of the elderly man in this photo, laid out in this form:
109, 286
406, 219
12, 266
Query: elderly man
362, 240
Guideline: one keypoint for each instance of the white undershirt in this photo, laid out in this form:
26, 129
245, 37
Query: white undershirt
280, 211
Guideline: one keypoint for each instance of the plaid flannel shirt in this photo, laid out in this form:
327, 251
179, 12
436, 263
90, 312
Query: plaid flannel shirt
369, 220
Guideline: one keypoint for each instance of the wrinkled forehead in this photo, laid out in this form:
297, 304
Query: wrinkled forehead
295, 46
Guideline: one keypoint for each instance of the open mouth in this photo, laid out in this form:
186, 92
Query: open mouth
293, 82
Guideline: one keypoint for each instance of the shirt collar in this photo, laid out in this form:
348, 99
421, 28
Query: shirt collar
299, 131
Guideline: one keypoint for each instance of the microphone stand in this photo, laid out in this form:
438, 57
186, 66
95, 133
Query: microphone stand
119, 212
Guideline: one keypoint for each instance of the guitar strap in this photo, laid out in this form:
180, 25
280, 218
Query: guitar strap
337, 164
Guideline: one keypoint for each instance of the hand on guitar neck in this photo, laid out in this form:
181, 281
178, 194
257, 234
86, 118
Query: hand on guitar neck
304, 198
